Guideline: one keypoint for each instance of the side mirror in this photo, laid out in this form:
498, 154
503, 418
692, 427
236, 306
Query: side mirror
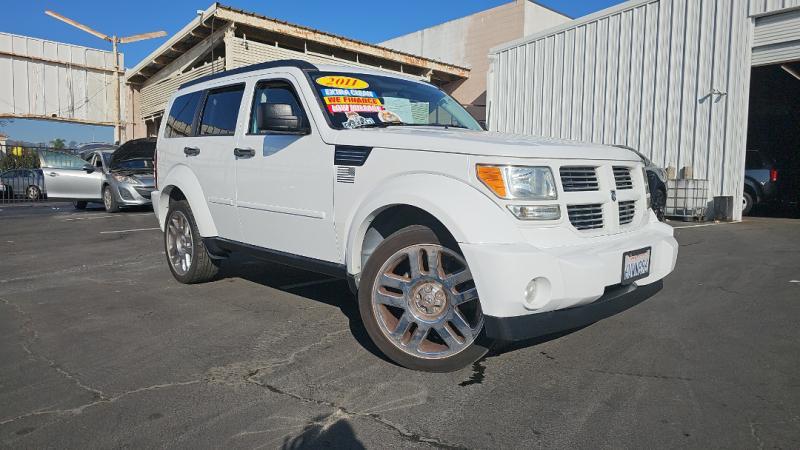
88, 168
280, 118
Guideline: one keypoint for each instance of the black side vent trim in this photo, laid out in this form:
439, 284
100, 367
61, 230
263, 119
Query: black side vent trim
348, 155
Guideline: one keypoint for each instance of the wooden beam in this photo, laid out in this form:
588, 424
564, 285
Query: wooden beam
55, 119
58, 62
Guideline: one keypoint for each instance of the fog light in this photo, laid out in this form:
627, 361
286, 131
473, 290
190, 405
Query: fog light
536, 212
537, 293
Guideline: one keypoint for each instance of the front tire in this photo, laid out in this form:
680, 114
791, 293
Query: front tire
109, 201
187, 256
419, 303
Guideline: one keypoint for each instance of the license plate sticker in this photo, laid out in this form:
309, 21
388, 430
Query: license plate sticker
635, 265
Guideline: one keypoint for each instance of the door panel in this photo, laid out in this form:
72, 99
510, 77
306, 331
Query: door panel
65, 177
284, 191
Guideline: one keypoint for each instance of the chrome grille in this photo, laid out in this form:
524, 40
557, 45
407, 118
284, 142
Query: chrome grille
586, 217
622, 176
578, 178
627, 210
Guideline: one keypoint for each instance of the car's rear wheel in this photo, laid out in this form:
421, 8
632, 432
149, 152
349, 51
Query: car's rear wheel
187, 256
33, 193
79, 204
109, 201
747, 203
419, 303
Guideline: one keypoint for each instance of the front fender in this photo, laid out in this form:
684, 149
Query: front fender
468, 214
181, 177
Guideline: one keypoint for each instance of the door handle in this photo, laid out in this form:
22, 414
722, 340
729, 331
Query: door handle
191, 151
244, 152
53, 174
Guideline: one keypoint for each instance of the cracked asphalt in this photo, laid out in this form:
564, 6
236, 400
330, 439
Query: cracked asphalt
100, 347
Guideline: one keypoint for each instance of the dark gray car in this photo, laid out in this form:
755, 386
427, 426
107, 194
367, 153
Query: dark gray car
23, 183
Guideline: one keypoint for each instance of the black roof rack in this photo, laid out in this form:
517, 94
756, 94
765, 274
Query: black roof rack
303, 65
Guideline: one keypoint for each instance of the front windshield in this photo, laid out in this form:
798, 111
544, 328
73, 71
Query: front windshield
133, 164
355, 100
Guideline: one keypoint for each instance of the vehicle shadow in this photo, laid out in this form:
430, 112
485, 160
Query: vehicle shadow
336, 293
310, 285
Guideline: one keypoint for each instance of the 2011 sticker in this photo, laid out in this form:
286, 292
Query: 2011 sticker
339, 81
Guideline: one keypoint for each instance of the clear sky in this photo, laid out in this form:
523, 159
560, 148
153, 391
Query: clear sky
374, 22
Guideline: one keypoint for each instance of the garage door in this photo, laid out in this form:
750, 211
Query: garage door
777, 38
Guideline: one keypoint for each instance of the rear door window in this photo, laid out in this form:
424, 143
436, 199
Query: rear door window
181, 116
221, 111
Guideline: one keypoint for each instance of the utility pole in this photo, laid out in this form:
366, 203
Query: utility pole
115, 41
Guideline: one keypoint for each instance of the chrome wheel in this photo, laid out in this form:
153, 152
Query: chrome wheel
426, 303
180, 244
108, 201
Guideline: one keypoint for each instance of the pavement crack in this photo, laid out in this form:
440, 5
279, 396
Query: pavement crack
107, 400
27, 327
642, 375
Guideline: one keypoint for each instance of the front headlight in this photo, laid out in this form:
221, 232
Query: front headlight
126, 179
519, 182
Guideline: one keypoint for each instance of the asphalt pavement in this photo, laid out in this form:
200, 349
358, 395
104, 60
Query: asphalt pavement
100, 348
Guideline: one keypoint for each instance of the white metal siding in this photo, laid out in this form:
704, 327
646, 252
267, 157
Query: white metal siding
641, 74
777, 38
51, 79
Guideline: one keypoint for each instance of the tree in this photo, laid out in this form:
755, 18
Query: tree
58, 143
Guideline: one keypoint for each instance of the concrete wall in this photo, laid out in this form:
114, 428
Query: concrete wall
467, 41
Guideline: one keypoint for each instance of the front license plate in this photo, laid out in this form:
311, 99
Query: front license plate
635, 265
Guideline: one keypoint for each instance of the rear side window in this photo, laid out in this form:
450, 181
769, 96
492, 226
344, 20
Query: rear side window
179, 123
221, 111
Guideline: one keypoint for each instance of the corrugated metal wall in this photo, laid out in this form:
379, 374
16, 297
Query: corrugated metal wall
41, 78
668, 77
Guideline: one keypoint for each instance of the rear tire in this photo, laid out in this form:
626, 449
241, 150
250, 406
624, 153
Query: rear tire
747, 204
429, 318
187, 256
79, 204
33, 193
109, 201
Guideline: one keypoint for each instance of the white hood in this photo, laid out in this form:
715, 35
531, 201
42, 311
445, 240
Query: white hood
479, 143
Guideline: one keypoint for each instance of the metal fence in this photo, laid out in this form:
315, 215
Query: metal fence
21, 177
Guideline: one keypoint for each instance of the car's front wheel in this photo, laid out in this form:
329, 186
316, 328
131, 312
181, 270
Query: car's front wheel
419, 303
109, 201
187, 256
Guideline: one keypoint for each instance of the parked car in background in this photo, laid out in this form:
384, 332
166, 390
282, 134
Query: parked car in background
656, 182
23, 183
760, 181
128, 174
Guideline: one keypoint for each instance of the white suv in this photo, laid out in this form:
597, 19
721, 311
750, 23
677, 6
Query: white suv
453, 237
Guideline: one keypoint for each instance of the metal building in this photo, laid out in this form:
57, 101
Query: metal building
668, 77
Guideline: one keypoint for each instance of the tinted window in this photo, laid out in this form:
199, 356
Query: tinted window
221, 111
273, 92
179, 123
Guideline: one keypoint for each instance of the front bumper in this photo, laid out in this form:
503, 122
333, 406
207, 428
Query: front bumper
573, 275
615, 300
133, 195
